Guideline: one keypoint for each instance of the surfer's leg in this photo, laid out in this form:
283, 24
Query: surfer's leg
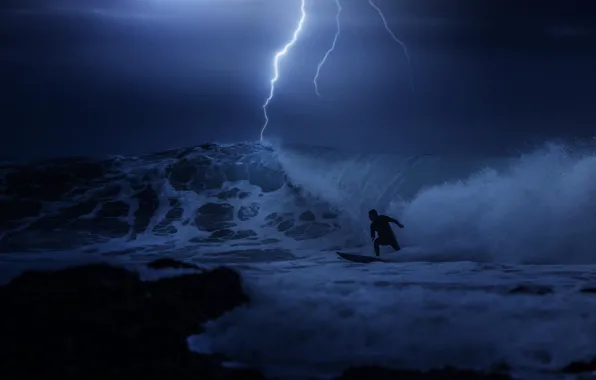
393, 243
377, 248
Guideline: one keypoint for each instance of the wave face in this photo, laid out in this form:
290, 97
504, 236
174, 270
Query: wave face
210, 196
536, 208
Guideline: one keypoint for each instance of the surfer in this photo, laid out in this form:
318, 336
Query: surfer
380, 225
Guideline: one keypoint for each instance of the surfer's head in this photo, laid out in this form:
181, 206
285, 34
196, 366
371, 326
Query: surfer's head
372, 214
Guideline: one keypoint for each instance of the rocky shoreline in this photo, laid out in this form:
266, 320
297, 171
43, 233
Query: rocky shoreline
102, 321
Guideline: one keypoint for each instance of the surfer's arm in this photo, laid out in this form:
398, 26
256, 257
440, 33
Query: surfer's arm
372, 232
395, 221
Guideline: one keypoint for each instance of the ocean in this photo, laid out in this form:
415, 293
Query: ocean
497, 265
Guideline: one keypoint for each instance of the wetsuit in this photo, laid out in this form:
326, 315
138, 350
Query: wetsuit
386, 236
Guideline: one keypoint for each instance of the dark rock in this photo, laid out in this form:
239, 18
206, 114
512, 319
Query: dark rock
329, 215
234, 173
244, 234
228, 234
538, 290
102, 322
65, 217
209, 146
267, 179
52, 180
164, 229
147, 205
170, 263
214, 216
580, 367
17, 242
200, 173
79, 209
181, 174
107, 227
285, 225
252, 255
217, 209
121, 252
115, 209
283, 222
229, 194
222, 233
589, 290
14, 210
175, 213
109, 192
448, 373
57, 232
307, 216
248, 212
272, 216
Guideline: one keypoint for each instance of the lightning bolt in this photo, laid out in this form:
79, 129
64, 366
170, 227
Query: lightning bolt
276, 59
400, 42
292, 42
335, 38
338, 31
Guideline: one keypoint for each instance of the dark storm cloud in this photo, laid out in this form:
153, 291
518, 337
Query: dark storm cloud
520, 25
508, 24
136, 75
63, 4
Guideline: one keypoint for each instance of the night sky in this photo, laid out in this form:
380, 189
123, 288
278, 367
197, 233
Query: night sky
137, 76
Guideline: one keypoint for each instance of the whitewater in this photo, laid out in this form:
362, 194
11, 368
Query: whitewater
498, 264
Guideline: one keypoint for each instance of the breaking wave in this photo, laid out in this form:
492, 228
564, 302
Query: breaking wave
535, 208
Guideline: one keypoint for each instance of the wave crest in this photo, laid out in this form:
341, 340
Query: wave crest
537, 208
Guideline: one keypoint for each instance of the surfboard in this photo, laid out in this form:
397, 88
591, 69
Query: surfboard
359, 258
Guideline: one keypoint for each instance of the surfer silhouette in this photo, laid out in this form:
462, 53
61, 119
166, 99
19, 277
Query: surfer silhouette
380, 225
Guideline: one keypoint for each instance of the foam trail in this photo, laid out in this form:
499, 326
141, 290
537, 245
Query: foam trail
403, 45
335, 38
426, 316
278, 55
